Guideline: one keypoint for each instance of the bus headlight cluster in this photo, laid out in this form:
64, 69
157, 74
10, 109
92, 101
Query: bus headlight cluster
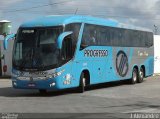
14, 83
52, 84
49, 76
55, 74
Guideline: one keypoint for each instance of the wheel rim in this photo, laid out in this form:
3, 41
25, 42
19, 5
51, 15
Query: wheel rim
141, 74
84, 82
134, 76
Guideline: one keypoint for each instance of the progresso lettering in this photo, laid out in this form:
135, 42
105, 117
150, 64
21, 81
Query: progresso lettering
95, 53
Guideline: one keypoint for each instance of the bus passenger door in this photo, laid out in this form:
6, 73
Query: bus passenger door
66, 56
70, 65
66, 52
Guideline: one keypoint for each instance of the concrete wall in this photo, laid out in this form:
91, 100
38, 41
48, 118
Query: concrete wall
157, 54
7, 57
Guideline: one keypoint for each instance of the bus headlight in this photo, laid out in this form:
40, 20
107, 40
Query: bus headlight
52, 84
55, 74
14, 83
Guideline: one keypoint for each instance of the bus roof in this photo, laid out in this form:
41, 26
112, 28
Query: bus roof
57, 20
66, 19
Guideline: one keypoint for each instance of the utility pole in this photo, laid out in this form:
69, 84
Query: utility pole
155, 29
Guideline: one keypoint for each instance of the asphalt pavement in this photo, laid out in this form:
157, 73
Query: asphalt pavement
116, 98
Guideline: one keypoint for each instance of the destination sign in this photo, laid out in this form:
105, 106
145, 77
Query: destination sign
27, 31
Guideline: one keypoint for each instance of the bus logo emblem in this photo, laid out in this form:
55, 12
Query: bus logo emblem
122, 63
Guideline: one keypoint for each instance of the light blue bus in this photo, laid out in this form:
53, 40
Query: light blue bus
60, 52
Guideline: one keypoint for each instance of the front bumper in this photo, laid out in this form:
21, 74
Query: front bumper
37, 84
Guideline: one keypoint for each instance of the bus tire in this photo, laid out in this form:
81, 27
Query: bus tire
82, 83
42, 91
141, 75
134, 76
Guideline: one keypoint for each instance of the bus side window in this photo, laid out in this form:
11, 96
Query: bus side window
66, 51
92, 37
107, 39
89, 37
149, 40
101, 36
75, 28
85, 38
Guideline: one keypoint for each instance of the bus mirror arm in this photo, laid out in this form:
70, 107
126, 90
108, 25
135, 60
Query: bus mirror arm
6, 39
61, 38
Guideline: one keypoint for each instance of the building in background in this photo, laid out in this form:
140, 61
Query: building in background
5, 27
6, 59
5, 55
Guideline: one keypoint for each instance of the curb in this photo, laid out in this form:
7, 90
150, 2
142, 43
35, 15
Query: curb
156, 74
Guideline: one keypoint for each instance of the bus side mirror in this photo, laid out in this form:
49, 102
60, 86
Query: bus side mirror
6, 39
61, 38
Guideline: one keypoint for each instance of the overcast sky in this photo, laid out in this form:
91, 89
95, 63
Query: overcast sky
142, 13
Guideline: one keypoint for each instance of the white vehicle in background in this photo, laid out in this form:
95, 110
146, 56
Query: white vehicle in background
5, 55
156, 54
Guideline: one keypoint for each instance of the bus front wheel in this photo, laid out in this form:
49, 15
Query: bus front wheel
134, 76
82, 83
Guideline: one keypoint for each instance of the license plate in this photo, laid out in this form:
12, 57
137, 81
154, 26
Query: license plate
31, 85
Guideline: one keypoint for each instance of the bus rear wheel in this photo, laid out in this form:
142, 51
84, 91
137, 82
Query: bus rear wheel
134, 76
141, 76
82, 83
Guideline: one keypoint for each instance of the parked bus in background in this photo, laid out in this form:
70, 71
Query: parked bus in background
59, 52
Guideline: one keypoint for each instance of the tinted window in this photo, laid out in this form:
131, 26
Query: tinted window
75, 28
111, 36
36, 48
89, 36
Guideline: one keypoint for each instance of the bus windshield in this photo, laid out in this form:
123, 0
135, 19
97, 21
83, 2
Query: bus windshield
35, 48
